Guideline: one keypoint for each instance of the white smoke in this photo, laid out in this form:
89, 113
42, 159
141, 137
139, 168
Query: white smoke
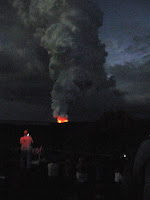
68, 30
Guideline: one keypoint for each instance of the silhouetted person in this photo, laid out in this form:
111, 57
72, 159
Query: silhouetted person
82, 171
68, 175
53, 169
82, 179
141, 170
126, 189
68, 170
53, 179
26, 150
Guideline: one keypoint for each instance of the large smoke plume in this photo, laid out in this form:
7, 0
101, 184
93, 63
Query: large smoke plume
68, 30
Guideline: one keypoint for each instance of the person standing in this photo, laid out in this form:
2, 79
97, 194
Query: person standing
53, 178
82, 171
141, 170
82, 179
26, 150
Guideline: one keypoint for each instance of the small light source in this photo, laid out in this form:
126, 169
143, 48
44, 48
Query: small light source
28, 134
124, 155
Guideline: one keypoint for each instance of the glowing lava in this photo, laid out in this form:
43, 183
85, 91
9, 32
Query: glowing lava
62, 119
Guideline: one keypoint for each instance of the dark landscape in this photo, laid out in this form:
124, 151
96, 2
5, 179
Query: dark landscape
104, 141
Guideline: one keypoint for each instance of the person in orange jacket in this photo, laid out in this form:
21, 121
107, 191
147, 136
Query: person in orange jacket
26, 150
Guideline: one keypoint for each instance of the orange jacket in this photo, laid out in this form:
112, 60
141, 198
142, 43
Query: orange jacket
26, 142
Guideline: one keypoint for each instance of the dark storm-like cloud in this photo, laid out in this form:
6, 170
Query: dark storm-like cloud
146, 58
131, 50
125, 19
24, 74
140, 43
28, 83
134, 81
77, 58
24, 94
23, 80
18, 110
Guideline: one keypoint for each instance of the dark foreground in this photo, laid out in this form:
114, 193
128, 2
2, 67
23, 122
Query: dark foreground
35, 184
35, 188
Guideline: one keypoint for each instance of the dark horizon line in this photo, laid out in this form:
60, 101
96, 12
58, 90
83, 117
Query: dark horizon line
32, 122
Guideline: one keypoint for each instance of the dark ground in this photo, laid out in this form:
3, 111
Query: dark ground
34, 184
113, 135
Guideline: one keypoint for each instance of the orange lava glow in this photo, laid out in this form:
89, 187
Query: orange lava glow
62, 119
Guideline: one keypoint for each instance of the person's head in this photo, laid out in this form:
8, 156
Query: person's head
25, 132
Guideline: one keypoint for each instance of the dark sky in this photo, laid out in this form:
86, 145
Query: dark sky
124, 20
24, 75
126, 33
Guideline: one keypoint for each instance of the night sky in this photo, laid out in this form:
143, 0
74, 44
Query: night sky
25, 92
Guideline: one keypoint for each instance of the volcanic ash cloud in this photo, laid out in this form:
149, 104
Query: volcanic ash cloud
68, 30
